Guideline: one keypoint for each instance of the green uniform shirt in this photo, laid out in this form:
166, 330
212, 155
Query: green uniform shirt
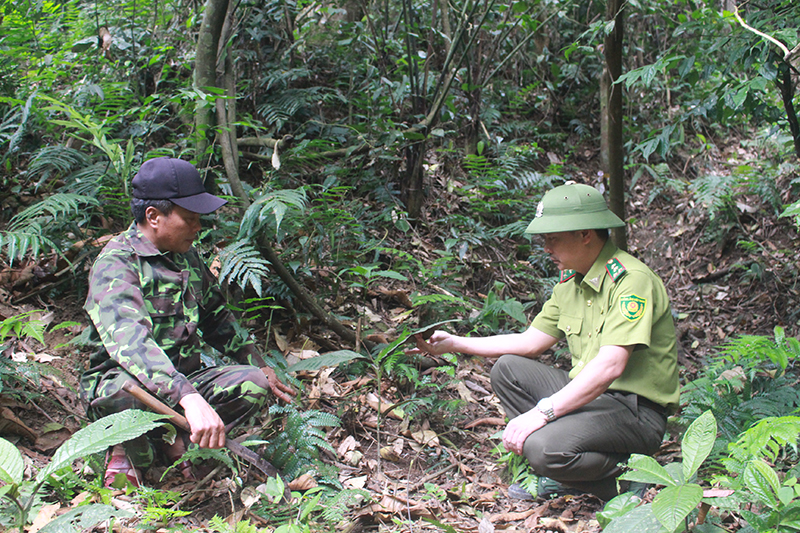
619, 302
149, 310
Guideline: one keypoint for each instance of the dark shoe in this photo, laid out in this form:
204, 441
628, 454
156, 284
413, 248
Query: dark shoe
117, 466
549, 488
516, 492
637, 488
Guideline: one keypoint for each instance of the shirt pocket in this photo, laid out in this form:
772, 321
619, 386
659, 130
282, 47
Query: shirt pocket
165, 305
571, 326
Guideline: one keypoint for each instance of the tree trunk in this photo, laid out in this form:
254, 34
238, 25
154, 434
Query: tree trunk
786, 87
205, 71
611, 145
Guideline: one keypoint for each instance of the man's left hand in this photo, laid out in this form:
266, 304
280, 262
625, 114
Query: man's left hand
278, 387
519, 428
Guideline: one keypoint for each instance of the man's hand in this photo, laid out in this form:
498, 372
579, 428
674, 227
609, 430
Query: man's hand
208, 430
278, 387
519, 428
439, 343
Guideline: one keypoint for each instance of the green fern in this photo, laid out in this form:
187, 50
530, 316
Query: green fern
52, 161
715, 191
336, 507
767, 438
271, 207
28, 231
423, 299
744, 384
295, 449
243, 264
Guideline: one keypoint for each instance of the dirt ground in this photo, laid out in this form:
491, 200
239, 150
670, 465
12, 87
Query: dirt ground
444, 470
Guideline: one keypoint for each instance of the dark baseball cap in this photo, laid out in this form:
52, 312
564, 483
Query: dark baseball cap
176, 180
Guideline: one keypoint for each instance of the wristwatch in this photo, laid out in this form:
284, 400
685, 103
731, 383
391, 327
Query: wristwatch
545, 406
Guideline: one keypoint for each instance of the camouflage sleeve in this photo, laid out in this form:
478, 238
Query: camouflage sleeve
116, 306
219, 325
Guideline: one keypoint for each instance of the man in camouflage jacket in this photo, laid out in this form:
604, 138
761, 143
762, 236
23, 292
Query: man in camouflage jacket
154, 305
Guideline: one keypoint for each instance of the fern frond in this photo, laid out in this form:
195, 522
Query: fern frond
243, 264
336, 507
53, 206
18, 244
715, 191
421, 299
56, 161
766, 438
271, 206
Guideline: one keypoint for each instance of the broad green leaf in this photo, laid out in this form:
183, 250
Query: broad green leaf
99, 435
12, 468
697, 443
391, 274
330, 359
84, 518
640, 520
616, 508
673, 504
762, 481
647, 470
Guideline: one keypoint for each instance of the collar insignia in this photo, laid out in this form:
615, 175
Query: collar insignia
615, 269
567, 275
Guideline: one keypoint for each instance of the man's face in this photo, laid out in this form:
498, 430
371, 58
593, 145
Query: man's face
177, 231
566, 249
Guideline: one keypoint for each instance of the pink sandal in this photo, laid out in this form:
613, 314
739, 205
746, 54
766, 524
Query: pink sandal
117, 462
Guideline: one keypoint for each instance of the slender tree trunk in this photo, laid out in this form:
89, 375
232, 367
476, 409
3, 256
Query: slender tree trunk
205, 71
611, 144
786, 87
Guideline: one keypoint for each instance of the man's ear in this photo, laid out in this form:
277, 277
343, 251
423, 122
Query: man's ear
151, 215
586, 235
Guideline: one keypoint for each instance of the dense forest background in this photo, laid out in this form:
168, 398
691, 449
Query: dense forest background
382, 160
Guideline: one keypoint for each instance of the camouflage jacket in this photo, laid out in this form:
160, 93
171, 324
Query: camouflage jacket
149, 308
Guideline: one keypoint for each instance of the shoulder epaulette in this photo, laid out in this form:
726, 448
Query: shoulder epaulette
567, 275
615, 269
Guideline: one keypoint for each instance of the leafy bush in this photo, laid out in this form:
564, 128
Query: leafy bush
744, 384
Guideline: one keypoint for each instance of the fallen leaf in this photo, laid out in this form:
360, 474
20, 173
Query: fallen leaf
490, 421
249, 496
356, 482
426, 437
388, 454
384, 406
511, 517
45, 358
303, 483
10, 424
348, 444
44, 517
717, 493
464, 393
485, 526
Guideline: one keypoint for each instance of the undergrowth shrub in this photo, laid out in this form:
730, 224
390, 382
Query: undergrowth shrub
295, 450
752, 378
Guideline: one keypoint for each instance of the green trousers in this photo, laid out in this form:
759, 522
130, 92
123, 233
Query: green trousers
236, 392
584, 448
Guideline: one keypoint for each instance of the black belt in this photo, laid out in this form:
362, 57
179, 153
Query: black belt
658, 408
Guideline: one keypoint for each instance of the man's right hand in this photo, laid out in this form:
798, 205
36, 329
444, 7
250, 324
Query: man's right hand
440, 342
208, 429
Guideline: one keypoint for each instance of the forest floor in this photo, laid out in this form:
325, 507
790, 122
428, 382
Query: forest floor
444, 470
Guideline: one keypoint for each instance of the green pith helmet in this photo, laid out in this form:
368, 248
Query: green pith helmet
573, 207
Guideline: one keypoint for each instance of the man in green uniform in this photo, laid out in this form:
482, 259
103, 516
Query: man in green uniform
576, 427
154, 308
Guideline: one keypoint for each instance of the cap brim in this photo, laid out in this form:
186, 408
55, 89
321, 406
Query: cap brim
202, 203
574, 222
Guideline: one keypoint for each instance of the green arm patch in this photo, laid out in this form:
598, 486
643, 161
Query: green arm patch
632, 307
615, 269
567, 275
